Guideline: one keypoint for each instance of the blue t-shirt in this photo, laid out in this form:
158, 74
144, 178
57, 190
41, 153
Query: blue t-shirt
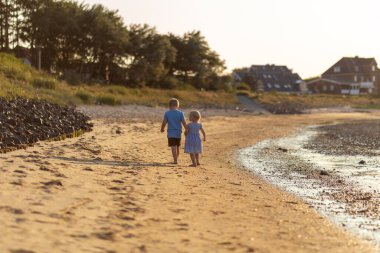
174, 119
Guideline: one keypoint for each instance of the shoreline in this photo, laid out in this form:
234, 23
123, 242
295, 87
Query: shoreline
325, 182
112, 190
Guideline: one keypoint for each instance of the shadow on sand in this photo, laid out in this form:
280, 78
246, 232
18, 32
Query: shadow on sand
98, 161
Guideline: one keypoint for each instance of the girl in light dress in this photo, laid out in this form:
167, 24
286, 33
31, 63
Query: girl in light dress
193, 142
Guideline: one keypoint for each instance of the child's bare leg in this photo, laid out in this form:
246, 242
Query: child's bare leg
194, 161
174, 153
197, 159
178, 152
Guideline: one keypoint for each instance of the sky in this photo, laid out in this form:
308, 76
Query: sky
306, 35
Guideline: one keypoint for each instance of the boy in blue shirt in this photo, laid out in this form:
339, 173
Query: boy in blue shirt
175, 119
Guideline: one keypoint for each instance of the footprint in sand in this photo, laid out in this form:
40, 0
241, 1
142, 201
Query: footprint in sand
182, 226
43, 168
12, 210
22, 251
109, 236
142, 248
60, 175
118, 181
53, 183
129, 236
125, 217
19, 173
18, 182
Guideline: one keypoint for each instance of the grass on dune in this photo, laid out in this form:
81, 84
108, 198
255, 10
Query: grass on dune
319, 100
145, 96
18, 79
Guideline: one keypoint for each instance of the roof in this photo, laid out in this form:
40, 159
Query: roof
270, 67
274, 72
278, 77
352, 65
22, 52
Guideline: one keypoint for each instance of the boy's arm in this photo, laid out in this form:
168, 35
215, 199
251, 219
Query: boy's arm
164, 122
184, 123
203, 133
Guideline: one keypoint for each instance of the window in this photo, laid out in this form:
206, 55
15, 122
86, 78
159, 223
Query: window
337, 69
356, 68
324, 88
355, 78
265, 76
269, 76
332, 87
269, 85
374, 78
373, 68
277, 86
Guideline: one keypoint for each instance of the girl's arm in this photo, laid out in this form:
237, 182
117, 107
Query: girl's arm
203, 133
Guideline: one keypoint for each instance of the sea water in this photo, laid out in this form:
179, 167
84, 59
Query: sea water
365, 177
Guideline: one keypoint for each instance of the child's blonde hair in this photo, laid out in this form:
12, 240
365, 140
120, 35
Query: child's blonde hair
195, 116
173, 102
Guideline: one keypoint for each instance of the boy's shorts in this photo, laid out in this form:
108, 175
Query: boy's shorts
173, 142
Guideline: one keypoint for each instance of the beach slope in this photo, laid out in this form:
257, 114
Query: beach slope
112, 190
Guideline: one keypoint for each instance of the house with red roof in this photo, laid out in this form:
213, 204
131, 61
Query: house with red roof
350, 76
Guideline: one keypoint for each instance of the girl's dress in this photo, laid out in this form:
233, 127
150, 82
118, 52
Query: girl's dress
193, 143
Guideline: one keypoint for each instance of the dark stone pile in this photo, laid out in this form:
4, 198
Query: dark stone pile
285, 108
24, 122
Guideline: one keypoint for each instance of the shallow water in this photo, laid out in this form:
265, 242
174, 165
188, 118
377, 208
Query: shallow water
285, 163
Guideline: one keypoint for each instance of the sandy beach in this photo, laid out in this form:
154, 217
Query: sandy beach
112, 190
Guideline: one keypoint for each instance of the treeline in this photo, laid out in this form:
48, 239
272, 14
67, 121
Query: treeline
83, 43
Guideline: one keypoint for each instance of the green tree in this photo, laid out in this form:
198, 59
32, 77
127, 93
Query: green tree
107, 39
82, 42
9, 25
149, 55
195, 62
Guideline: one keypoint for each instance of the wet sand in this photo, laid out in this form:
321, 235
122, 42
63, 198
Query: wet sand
112, 190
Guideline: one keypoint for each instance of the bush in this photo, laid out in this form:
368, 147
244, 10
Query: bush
169, 83
243, 93
84, 96
107, 100
117, 90
72, 77
243, 86
44, 83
